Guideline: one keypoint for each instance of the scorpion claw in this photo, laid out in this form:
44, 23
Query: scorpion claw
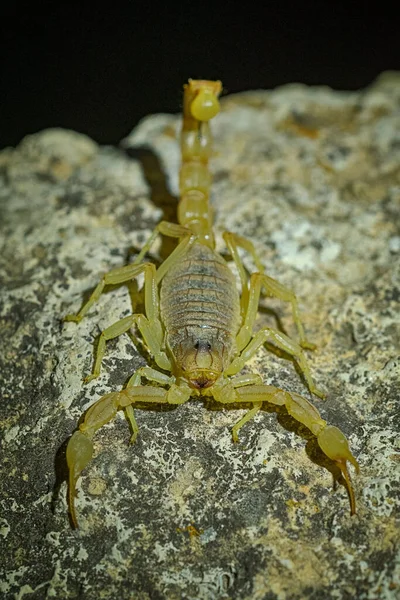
335, 445
79, 454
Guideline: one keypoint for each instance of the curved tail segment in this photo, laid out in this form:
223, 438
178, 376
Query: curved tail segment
200, 105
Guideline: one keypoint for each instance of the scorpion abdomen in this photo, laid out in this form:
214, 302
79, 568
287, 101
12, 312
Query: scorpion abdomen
200, 303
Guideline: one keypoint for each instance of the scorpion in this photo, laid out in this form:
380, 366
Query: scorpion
196, 325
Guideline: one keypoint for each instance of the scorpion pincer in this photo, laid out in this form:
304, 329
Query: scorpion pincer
197, 326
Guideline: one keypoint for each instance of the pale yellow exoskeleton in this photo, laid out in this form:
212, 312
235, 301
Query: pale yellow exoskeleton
197, 326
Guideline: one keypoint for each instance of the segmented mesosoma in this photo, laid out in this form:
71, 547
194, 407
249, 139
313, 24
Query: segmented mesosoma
197, 326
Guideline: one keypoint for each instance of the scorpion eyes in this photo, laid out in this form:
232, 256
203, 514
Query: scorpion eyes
200, 345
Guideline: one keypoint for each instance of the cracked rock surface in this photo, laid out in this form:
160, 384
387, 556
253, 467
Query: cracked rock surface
312, 177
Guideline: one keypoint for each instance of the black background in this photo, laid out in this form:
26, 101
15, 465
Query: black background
99, 69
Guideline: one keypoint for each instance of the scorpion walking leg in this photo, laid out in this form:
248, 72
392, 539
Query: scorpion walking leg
113, 277
128, 272
136, 380
165, 228
187, 240
225, 393
278, 338
247, 417
149, 326
283, 342
262, 281
241, 381
80, 448
175, 394
330, 439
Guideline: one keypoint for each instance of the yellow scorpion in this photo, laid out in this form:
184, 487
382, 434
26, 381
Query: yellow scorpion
197, 326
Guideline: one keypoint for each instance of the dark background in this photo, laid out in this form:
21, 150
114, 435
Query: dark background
99, 70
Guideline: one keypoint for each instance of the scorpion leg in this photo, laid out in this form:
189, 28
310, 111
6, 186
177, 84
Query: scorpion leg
330, 439
225, 393
80, 447
149, 327
247, 417
113, 277
241, 381
165, 228
128, 272
261, 281
115, 330
136, 380
283, 342
233, 242
187, 240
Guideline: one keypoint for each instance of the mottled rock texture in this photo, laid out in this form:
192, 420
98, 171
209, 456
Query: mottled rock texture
312, 176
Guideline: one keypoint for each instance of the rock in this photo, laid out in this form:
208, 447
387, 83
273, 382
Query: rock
312, 177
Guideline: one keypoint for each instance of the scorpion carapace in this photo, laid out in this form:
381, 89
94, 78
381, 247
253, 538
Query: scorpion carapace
197, 326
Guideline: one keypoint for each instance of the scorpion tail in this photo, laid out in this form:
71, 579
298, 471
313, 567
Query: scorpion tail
200, 104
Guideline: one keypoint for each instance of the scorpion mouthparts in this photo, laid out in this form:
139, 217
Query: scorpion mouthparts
201, 383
